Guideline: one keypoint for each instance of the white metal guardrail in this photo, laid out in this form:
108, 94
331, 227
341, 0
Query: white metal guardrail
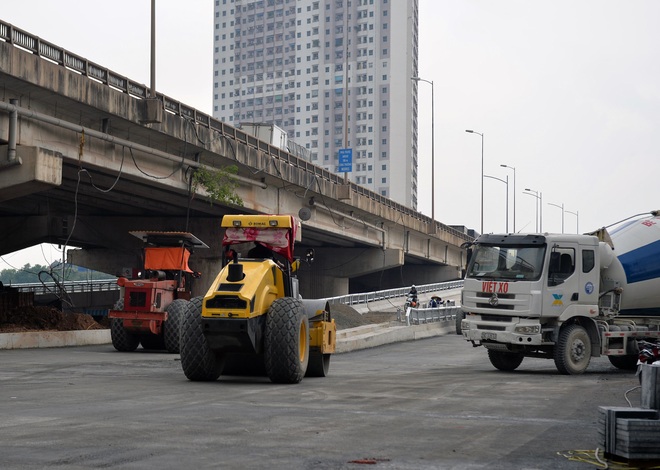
419, 316
366, 297
43, 288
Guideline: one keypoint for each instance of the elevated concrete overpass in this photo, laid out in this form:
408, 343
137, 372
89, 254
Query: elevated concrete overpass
86, 155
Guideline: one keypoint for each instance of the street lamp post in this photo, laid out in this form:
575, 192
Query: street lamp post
153, 48
539, 203
562, 214
514, 196
418, 79
507, 196
482, 175
577, 220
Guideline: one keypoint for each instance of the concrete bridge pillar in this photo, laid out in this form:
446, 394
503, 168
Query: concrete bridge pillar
333, 268
315, 285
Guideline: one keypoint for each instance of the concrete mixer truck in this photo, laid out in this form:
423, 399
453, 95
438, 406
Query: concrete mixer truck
565, 297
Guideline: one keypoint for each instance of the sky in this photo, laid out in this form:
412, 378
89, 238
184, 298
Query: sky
567, 92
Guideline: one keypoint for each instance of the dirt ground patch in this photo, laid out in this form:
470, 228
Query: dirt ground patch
24, 319
347, 317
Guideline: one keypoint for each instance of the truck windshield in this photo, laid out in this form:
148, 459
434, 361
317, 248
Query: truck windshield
507, 262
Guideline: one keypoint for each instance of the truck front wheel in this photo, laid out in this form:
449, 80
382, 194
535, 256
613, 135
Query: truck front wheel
460, 316
573, 350
505, 361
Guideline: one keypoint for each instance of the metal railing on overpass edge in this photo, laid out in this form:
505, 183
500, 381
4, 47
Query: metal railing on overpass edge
412, 316
110, 284
74, 62
43, 288
366, 297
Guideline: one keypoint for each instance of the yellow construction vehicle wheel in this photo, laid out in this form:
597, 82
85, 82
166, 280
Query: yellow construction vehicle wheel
172, 327
286, 345
319, 364
198, 360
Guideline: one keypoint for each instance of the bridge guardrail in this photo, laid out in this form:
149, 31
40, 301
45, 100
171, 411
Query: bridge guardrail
419, 316
366, 297
43, 288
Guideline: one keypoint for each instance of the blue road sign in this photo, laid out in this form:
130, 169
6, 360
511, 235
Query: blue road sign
345, 160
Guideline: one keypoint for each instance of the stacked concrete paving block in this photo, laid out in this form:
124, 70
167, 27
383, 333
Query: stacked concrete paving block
630, 433
634, 433
651, 387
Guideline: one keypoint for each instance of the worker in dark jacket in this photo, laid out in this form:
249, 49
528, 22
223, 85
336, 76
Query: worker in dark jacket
412, 296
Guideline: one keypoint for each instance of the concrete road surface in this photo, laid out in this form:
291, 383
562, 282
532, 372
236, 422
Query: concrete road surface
430, 404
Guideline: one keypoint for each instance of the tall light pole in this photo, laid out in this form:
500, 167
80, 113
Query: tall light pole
514, 196
153, 48
482, 175
562, 214
418, 79
577, 220
507, 196
539, 203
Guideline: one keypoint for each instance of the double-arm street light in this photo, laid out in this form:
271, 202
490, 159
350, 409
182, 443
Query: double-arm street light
577, 220
418, 79
507, 196
514, 196
563, 211
539, 203
482, 175
562, 214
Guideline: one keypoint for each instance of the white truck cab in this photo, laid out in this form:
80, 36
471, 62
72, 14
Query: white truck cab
561, 296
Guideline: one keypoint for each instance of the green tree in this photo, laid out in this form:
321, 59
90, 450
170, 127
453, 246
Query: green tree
220, 183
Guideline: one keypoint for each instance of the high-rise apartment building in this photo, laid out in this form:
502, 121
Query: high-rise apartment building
333, 74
